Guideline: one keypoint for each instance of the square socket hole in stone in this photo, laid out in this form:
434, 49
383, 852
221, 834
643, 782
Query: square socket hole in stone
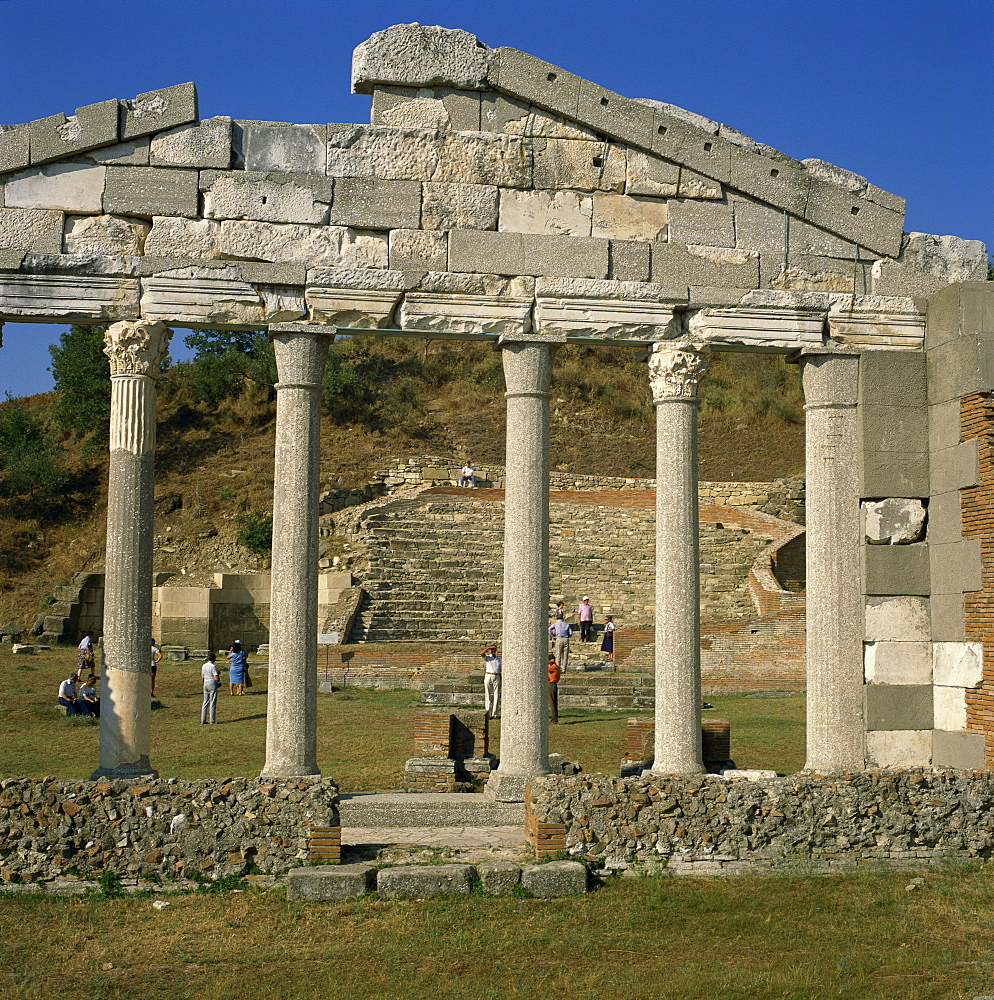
707, 147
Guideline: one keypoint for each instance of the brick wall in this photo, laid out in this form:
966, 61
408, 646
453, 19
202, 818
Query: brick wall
977, 422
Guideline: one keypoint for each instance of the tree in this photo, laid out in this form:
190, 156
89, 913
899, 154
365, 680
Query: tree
82, 379
225, 360
29, 462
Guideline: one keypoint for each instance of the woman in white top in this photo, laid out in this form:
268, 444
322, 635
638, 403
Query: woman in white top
212, 681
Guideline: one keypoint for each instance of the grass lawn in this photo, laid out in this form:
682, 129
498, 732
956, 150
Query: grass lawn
364, 737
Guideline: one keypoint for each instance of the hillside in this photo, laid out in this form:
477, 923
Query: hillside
385, 399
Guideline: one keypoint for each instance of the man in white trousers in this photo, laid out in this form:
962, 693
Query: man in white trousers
491, 680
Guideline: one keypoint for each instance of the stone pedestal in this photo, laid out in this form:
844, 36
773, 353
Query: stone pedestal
675, 371
135, 350
291, 724
835, 737
524, 741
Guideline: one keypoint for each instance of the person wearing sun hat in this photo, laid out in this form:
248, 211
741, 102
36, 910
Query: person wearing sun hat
491, 680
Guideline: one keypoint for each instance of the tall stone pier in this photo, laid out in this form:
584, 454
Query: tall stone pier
135, 350
291, 724
524, 743
675, 370
835, 737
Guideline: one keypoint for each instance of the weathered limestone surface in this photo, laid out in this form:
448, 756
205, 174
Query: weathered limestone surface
459, 206
328, 246
108, 235
71, 187
206, 144
172, 237
896, 521
266, 197
296, 148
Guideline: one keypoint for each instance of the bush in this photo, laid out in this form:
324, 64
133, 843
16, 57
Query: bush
226, 360
30, 466
255, 531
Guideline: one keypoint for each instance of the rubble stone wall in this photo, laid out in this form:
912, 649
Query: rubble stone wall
162, 828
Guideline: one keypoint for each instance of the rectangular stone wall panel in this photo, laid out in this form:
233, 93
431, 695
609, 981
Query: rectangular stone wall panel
158, 110
67, 298
150, 191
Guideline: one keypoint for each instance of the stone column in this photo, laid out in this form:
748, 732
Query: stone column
674, 373
524, 735
836, 740
291, 724
135, 350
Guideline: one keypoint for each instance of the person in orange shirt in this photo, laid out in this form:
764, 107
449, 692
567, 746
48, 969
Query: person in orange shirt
554, 675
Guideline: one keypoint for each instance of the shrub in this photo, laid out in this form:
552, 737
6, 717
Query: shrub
255, 531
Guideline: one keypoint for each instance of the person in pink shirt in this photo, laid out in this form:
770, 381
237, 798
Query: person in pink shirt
585, 614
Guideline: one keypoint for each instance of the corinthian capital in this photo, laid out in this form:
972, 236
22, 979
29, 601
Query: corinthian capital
136, 348
675, 370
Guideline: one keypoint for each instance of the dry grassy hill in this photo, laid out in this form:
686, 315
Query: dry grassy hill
388, 399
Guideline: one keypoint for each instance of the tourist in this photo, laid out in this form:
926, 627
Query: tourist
559, 632
237, 669
585, 615
88, 699
468, 477
607, 643
212, 681
491, 681
554, 674
86, 658
156, 656
67, 695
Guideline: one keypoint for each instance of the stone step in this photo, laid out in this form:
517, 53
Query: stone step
427, 809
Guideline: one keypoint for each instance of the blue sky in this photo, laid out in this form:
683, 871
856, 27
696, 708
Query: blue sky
895, 90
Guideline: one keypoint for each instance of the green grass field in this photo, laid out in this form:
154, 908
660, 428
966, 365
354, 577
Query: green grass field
364, 737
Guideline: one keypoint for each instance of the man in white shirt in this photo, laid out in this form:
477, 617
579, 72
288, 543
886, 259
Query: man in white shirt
559, 632
212, 681
67, 695
491, 680
468, 477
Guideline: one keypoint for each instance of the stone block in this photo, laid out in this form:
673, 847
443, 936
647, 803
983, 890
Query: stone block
330, 882
808, 272
703, 223
356, 279
498, 878
965, 751
173, 237
417, 55
70, 187
355, 308
58, 136
899, 748
427, 107
554, 879
206, 144
159, 110
482, 158
300, 149
955, 468
895, 521
649, 175
372, 203
677, 138
419, 250
535, 81
486, 252
892, 378
947, 618
894, 473
578, 165
459, 206
955, 368
956, 567
961, 309
897, 663
424, 881
831, 207
123, 154
564, 256
30, 229
505, 315
616, 116
761, 227
958, 664
558, 213
15, 147
22, 649
628, 260
774, 180
894, 428
391, 153
695, 185
949, 710
266, 197
896, 569
715, 267
898, 706
945, 518
626, 217
151, 191
108, 235
317, 246
501, 113
944, 424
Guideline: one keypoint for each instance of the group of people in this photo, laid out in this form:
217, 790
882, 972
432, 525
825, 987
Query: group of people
79, 699
560, 633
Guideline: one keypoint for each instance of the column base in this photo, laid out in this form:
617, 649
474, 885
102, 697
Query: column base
129, 772
278, 773
507, 787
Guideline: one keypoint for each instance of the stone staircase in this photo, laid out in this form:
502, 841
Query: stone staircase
434, 563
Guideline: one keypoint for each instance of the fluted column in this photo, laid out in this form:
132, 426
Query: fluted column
524, 734
835, 736
135, 350
675, 371
291, 723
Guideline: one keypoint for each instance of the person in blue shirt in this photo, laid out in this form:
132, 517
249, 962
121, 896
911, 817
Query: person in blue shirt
237, 668
559, 632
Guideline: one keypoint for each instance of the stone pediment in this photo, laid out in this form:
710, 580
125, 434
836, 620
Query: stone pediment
484, 174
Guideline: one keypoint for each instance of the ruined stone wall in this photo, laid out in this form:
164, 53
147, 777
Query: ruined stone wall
712, 825
160, 829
